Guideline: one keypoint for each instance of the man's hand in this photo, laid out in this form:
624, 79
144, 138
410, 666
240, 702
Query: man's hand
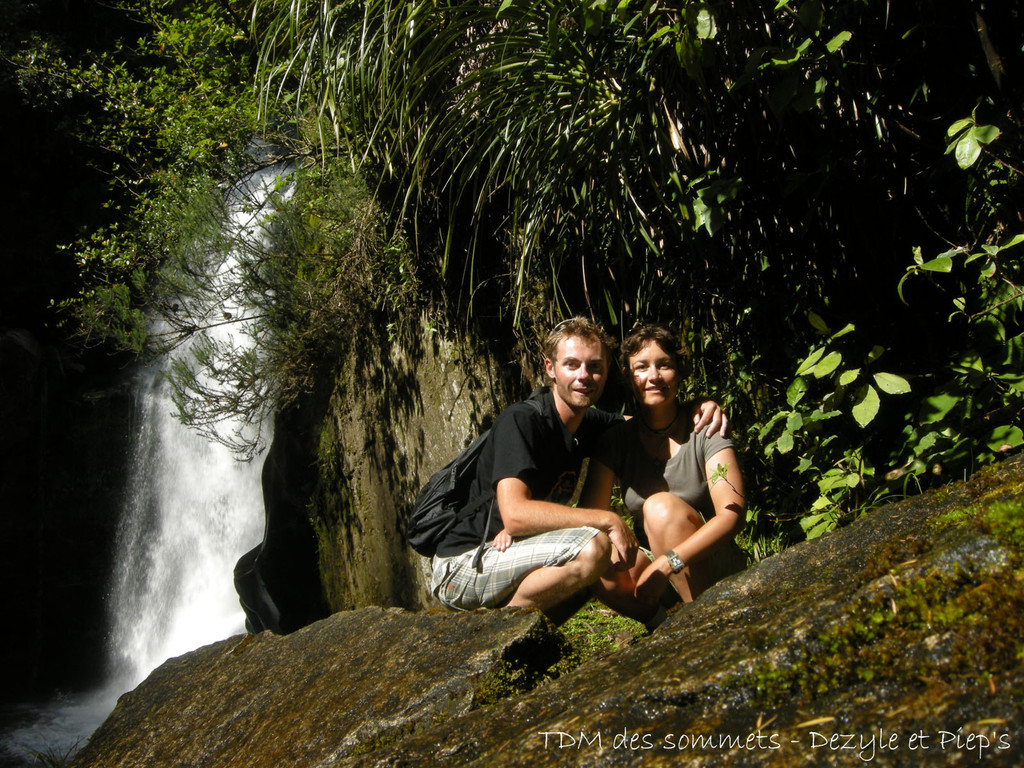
623, 541
709, 414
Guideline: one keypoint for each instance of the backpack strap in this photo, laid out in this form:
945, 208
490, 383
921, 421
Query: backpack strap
534, 400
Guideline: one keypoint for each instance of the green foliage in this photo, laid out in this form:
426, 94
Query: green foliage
733, 166
833, 398
974, 408
161, 115
729, 166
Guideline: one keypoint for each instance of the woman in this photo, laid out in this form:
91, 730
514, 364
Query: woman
684, 489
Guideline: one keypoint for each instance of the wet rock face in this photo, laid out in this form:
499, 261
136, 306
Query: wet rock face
894, 641
340, 687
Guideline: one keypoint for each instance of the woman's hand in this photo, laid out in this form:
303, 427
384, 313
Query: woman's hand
652, 581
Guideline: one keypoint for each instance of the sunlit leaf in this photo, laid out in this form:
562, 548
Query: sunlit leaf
959, 126
985, 134
936, 408
838, 41
939, 264
865, 405
1005, 436
828, 364
967, 150
785, 443
810, 361
796, 391
892, 384
848, 377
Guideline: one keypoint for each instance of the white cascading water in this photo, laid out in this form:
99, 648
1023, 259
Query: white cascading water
192, 509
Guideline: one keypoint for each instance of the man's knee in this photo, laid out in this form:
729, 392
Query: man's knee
596, 556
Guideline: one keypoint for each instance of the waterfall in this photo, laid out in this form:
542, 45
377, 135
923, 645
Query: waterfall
191, 510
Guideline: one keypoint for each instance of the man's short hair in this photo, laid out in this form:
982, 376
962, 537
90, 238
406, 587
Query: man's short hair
661, 335
576, 327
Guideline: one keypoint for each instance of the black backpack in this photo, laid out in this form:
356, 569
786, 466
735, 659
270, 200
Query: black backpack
444, 496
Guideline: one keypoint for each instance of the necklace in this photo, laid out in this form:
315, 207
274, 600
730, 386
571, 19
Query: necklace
664, 430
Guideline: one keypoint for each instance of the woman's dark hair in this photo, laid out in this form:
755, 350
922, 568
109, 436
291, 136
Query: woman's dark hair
661, 335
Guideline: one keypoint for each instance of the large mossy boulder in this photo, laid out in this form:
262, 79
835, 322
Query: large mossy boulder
341, 687
895, 641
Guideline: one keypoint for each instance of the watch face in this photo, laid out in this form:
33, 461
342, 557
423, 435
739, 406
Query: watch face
674, 561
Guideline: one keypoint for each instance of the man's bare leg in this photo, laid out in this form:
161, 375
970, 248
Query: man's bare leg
549, 587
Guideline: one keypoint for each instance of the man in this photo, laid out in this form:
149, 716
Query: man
542, 553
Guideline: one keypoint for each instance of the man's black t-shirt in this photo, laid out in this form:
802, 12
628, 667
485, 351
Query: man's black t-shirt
534, 446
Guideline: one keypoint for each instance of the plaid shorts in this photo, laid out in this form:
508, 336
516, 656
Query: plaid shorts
458, 585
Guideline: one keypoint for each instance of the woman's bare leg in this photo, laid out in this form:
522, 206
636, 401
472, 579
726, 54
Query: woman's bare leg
669, 521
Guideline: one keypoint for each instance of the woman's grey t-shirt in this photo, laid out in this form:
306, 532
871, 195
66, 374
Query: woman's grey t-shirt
641, 475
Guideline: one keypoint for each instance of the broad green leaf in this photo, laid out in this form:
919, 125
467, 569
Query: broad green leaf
1005, 435
794, 423
985, 134
967, 150
838, 41
827, 365
892, 384
816, 322
771, 423
706, 27
939, 264
796, 391
785, 443
818, 525
848, 377
927, 442
936, 408
865, 405
810, 361
958, 126
1011, 242
820, 416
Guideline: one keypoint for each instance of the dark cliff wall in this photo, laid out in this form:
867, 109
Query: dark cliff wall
354, 453
66, 436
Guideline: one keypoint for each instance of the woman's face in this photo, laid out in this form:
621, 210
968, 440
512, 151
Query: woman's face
655, 375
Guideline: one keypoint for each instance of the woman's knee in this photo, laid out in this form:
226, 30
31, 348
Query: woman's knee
666, 510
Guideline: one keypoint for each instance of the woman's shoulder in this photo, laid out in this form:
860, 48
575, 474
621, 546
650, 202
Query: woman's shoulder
708, 445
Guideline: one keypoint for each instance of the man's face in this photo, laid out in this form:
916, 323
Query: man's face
579, 372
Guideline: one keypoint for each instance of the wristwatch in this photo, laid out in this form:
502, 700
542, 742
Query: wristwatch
675, 562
